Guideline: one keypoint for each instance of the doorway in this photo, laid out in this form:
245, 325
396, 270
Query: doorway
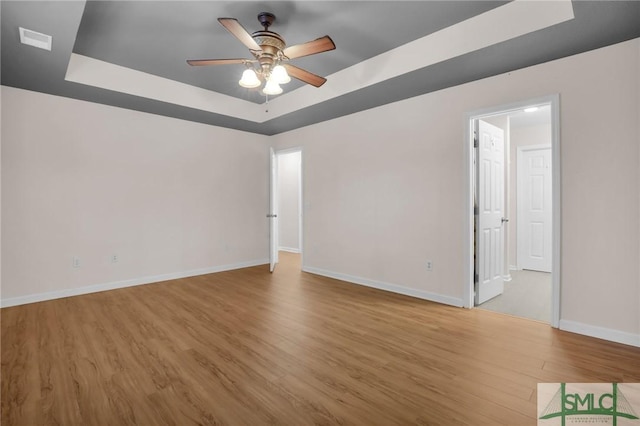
513, 221
286, 203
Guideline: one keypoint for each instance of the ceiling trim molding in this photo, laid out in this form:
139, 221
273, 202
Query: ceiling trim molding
523, 16
105, 75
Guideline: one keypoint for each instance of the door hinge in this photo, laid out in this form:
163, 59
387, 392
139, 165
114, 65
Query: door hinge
475, 278
475, 210
475, 140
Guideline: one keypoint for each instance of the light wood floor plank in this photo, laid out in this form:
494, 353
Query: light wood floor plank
248, 347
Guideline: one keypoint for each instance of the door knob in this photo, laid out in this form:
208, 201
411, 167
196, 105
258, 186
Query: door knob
504, 219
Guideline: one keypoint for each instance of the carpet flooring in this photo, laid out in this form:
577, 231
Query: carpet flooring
527, 295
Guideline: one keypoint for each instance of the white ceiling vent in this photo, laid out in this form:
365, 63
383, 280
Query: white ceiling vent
35, 39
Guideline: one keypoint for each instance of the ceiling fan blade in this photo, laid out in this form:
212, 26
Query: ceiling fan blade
304, 75
319, 45
233, 26
198, 62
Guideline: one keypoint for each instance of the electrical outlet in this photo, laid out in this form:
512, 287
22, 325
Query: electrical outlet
114, 258
75, 262
429, 265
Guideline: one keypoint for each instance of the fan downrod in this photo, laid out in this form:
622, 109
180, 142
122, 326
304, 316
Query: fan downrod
266, 19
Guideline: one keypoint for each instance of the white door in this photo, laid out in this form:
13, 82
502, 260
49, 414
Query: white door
273, 212
534, 208
490, 220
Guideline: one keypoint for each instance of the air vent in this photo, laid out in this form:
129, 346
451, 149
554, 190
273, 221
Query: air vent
35, 39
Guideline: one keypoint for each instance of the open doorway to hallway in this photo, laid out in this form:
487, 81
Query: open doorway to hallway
513, 230
286, 193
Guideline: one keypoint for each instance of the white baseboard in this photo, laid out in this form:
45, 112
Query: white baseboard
41, 297
601, 332
513, 268
289, 249
420, 294
507, 277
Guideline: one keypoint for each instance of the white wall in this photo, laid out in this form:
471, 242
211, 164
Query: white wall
0, 195
384, 191
169, 197
289, 201
384, 188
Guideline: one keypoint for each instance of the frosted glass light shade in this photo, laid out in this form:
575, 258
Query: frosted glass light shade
272, 88
280, 75
249, 79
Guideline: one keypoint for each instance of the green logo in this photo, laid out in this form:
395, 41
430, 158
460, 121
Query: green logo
588, 404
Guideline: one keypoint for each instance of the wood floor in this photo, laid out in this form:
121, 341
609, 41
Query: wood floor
250, 348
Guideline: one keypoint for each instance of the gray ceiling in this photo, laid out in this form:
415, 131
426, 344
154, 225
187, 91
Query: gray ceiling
157, 37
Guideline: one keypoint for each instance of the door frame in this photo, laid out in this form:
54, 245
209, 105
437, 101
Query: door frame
300, 195
469, 170
519, 201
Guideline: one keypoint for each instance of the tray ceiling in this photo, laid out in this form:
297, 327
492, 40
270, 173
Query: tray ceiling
131, 54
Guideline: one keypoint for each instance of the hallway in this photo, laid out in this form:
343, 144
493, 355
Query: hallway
527, 295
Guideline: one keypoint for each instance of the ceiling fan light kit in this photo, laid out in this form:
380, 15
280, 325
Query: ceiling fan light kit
271, 54
249, 79
271, 88
279, 74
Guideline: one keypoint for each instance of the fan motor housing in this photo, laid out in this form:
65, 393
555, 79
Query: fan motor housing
269, 39
271, 44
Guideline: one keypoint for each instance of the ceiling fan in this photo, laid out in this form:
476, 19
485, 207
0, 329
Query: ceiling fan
272, 56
